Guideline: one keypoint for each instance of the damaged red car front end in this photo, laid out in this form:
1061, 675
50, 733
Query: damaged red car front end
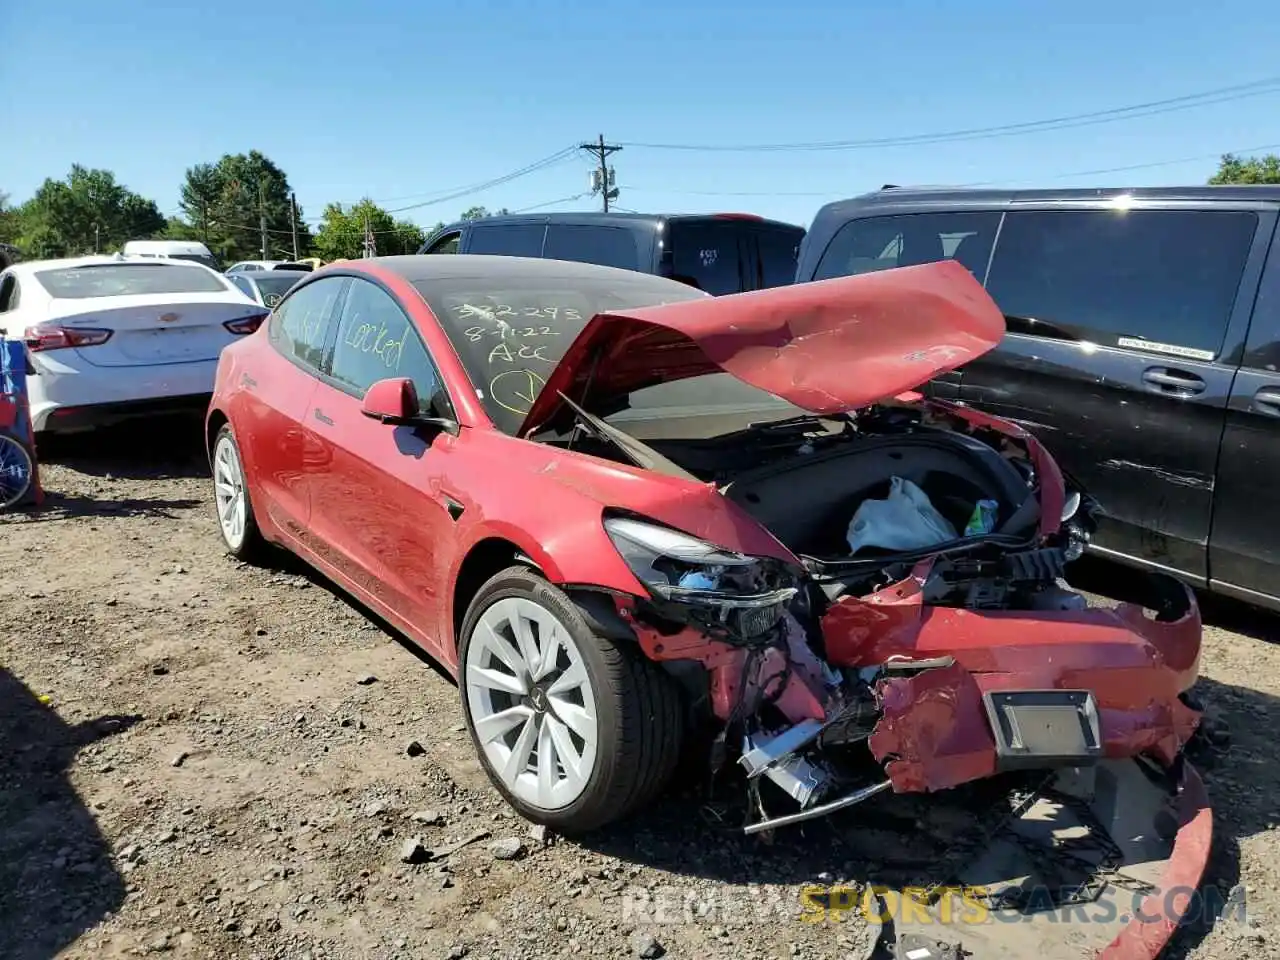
942, 660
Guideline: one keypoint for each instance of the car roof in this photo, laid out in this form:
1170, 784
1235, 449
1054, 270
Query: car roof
420, 268
600, 218
944, 196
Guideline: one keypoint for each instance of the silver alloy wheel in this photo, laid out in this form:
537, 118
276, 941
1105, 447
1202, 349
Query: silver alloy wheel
228, 492
531, 703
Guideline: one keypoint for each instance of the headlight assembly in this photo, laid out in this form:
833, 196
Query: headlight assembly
745, 595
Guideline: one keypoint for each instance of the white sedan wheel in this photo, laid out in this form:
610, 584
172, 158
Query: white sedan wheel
229, 493
531, 703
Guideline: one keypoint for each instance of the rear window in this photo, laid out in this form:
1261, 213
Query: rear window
275, 285
607, 246
511, 335
209, 262
707, 255
779, 250
127, 279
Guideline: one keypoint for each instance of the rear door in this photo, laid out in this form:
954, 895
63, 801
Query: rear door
869, 244
158, 313
776, 251
1244, 553
1118, 317
274, 396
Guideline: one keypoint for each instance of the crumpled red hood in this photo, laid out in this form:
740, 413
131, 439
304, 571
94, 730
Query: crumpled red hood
826, 347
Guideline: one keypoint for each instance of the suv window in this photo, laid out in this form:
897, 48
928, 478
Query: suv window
882, 243
508, 239
1119, 277
447, 244
377, 340
778, 252
707, 255
606, 246
300, 324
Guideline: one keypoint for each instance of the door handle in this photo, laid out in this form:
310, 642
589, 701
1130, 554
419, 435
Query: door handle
1176, 382
1267, 402
319, 415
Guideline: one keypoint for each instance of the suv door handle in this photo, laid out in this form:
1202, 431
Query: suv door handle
1176, 382
319, 415
1267, 402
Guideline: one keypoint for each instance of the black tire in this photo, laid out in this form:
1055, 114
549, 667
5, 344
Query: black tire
253, 547
19, 471
638, 708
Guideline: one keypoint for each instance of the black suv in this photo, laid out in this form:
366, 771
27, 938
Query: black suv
719, 253
1143, 349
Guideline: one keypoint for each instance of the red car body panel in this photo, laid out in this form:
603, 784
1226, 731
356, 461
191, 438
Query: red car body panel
826, 347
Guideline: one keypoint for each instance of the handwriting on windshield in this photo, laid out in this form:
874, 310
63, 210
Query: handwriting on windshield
375, 339
476, 334
516, 389
504, 313
511, 352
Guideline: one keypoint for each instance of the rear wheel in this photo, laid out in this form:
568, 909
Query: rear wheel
573, 729
231, 496
16, 472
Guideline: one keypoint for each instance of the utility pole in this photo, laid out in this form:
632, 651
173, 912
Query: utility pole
293, 221
262, 216
370, 246
603, 180
96, 245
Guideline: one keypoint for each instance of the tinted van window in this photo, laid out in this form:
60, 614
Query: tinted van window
1117, 277
778, 252
882, 243
607, 246
508, 240
707, 253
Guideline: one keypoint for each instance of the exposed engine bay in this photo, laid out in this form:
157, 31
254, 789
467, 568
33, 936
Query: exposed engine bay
936, 665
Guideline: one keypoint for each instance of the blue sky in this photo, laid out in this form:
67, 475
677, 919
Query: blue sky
405, 101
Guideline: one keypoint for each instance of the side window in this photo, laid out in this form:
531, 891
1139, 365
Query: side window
243, 286
607, 246
376, 340
706, 255
882, 243
8, 293
1123, 277
447, 244
508, 239
778, 250
300, 324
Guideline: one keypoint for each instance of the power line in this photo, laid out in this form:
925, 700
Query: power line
552, 203
524, 171
1133, 111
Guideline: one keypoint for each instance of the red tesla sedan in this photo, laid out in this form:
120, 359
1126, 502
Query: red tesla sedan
615, 507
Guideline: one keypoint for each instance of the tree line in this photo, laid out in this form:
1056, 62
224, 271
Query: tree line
224, 205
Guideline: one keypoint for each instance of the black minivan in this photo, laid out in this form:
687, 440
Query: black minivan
719, 253
1142, 348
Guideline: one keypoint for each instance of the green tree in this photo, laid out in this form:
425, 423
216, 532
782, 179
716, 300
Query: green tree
1233, 169
87, 211
226, 202
342, 232
10, 220
479, 213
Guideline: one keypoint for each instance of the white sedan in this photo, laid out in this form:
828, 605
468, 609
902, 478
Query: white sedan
112, 337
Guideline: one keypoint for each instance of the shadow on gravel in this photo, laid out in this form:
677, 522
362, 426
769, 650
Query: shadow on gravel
57, 878
64, 506
155, 448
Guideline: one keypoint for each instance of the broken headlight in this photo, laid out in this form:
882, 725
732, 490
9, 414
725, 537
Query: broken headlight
745, 596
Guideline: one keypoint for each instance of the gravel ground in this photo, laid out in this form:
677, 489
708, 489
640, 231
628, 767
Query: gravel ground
207, 759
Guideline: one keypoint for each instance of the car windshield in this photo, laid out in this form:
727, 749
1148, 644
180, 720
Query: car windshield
209, 262
510, 335
127, 279
276, 284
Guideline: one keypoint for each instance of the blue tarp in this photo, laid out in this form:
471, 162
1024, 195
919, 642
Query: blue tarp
14, 412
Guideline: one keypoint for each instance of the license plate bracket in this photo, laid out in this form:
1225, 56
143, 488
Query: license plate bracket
1044, 728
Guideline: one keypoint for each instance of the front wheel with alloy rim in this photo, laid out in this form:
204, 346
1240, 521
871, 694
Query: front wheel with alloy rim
231, 497
575, 730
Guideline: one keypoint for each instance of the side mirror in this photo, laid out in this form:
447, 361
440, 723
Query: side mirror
395, 401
